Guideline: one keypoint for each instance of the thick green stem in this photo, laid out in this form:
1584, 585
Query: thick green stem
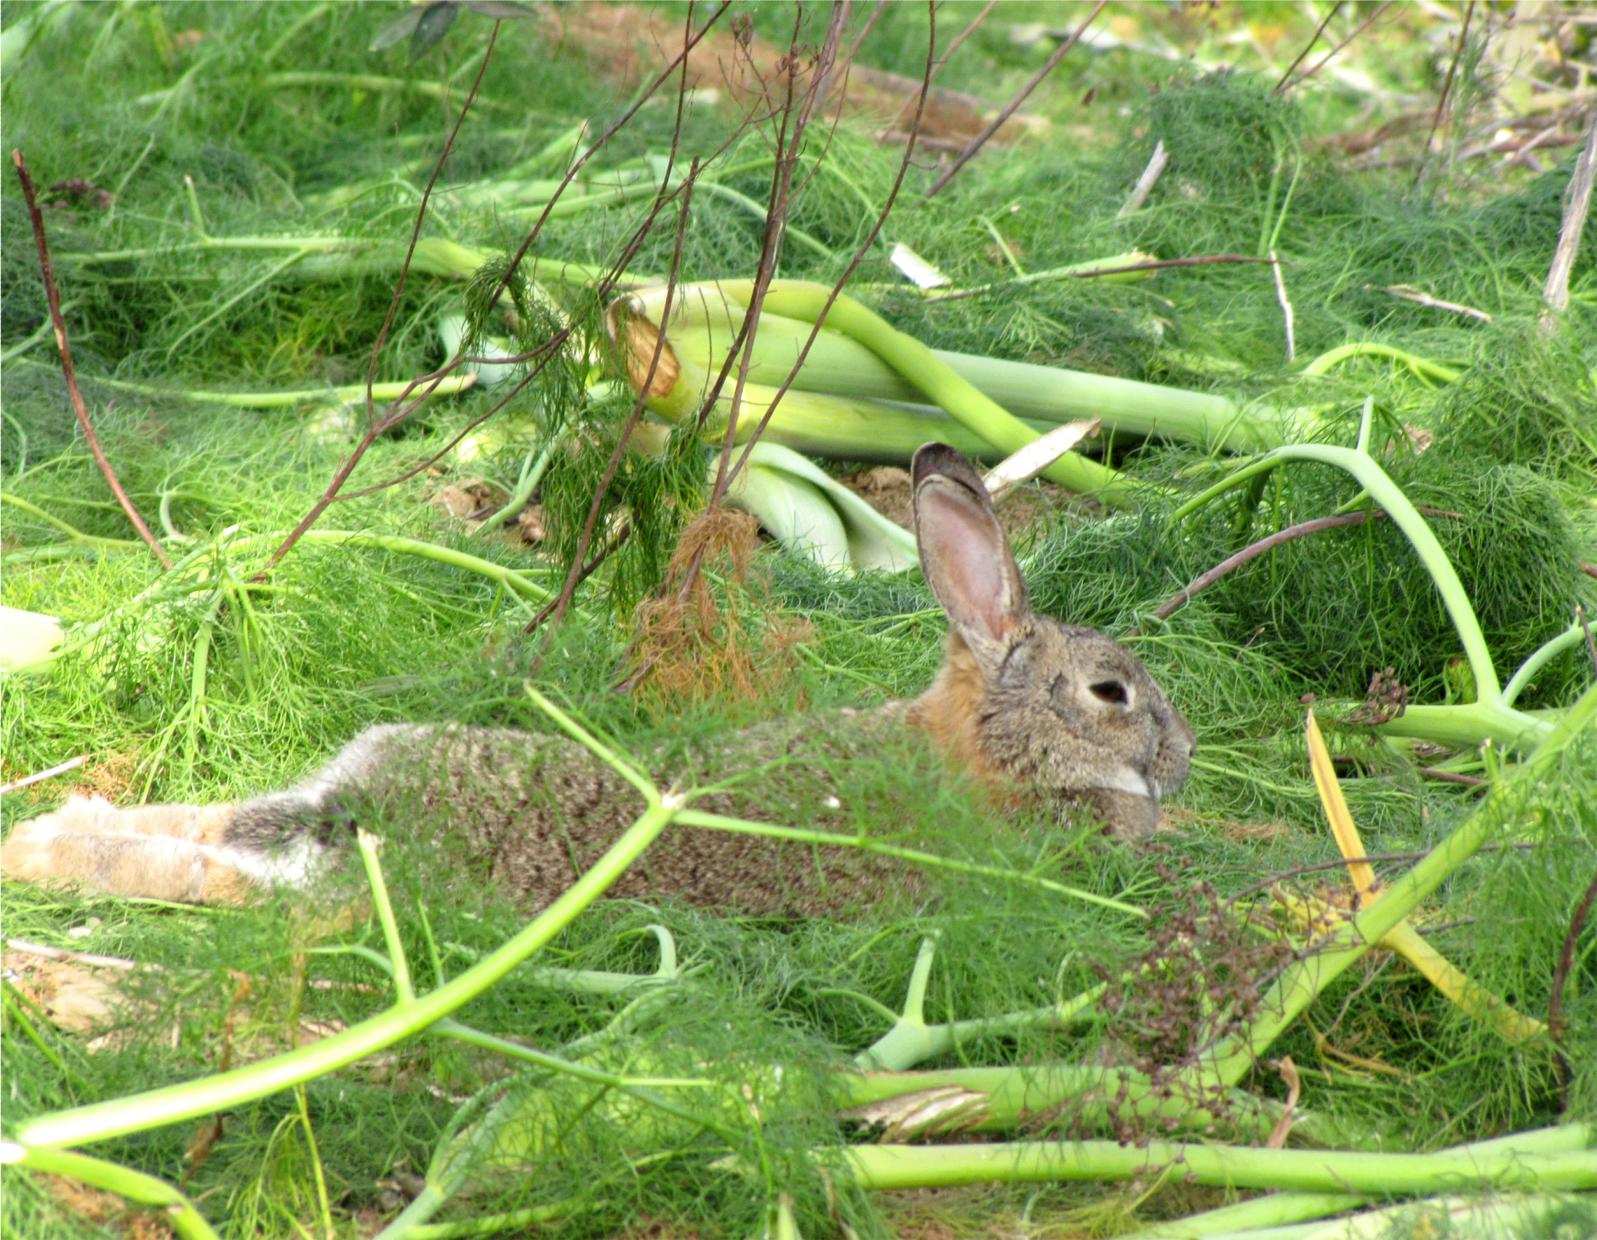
1326, 1171
1001, 1099
705, 319
146, 1190
1467, 725
936, 381
175, 1103
1279, 1209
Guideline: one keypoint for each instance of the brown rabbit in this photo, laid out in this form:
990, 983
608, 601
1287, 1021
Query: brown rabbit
1028, 706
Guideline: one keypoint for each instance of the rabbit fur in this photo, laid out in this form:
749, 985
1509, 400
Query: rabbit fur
1026, 705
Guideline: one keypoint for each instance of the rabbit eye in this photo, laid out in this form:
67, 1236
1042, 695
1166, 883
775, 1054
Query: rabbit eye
1109, 691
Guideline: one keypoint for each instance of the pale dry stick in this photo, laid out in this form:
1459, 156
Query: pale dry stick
1287, 317
1093, 273
1010, 108
1038, 455
52, 296
1577, 206
1522, 154
1145, 183
1421, 298
1297, 60
38, 777
1294, 1089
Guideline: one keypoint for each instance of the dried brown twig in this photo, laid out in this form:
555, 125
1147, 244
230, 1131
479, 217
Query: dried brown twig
403, 407
1566, 962
80, 410
1254, 550
1307, 48
1013, 106
1447, 83
407, 403
1335, 51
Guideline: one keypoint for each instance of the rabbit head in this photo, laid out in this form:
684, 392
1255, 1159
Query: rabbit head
1023, 700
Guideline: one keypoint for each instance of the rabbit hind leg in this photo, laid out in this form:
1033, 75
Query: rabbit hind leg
164, 852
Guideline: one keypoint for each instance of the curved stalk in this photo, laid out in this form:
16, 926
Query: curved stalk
937, 381
1491, 716
1422, 367
175, 1103
146, 1190
1538, 658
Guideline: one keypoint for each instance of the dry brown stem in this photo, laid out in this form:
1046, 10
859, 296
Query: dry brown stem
80, 410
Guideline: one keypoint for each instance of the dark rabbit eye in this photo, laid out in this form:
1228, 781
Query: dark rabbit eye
1109, 691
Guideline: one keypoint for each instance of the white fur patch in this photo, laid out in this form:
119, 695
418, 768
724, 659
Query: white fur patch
293, 866
1125, 779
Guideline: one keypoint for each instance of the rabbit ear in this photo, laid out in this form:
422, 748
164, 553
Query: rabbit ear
963, 551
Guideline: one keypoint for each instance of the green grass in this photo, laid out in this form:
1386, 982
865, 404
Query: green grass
345, 636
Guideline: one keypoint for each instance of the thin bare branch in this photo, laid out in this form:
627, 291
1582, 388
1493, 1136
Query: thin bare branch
1307, 48
1447, 82
1253, 551
954, 45
1013, 106
860, 252
1335, 51
400, 409
52, 296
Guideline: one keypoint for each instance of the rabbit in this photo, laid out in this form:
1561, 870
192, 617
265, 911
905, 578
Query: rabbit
1027, 706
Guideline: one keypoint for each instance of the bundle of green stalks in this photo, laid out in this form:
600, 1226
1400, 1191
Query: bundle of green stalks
864, 392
